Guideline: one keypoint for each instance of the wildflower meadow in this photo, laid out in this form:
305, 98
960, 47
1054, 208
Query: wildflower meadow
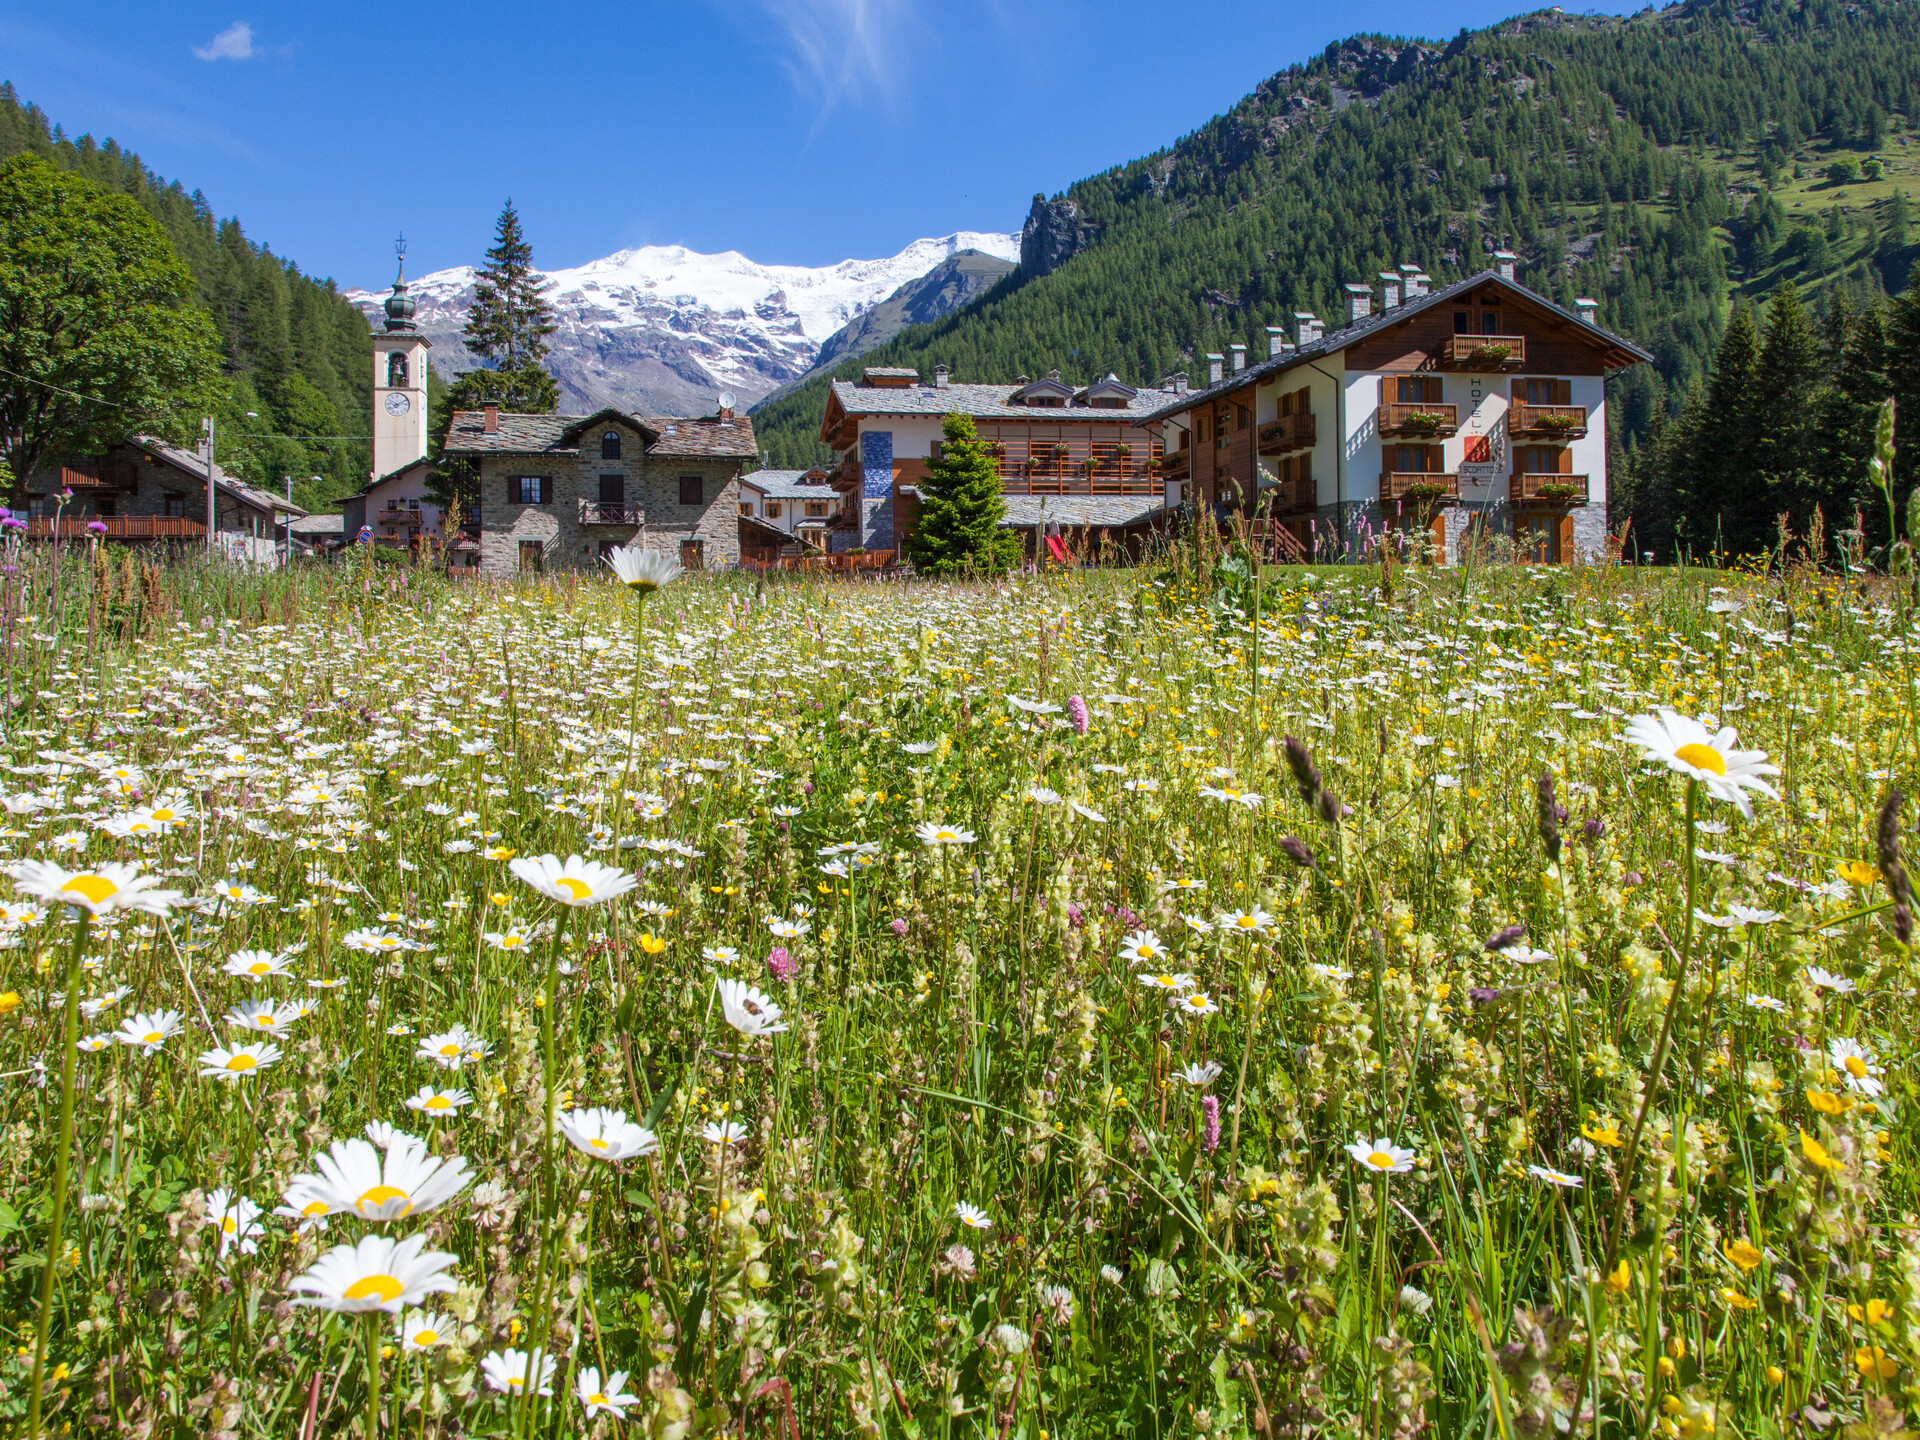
1099, 1003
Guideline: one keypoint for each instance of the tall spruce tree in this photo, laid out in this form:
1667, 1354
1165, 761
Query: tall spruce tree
1718, 460
507, 325
958, 528
1789, 381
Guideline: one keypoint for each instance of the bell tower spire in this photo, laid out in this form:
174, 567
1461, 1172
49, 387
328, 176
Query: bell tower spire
399, 379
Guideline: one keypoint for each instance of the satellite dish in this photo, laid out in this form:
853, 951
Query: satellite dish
726, 399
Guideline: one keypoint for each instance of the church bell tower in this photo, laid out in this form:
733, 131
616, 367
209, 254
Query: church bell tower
399, 381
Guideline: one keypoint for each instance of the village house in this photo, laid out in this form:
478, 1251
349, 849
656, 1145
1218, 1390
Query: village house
1481, 404
800, 504
560, 491
147, 492
1072, 458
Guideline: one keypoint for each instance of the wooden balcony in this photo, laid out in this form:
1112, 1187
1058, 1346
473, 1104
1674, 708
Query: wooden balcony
1417, 420
1287, 433
119, 528
392, 519
1483, 352
1548, 422
1429, 487
1177, 465
98, 475
1081, 485
611, 512
1546, 491
1291, 497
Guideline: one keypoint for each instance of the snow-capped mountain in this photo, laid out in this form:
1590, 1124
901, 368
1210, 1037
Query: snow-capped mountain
664, 329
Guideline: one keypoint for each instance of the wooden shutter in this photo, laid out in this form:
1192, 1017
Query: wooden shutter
1565, 537
1563, 392
546, 489
513, 489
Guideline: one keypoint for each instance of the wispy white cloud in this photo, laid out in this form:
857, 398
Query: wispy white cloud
836, 50
233, 43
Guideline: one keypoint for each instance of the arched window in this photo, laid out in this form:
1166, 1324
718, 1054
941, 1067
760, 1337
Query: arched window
610, 445
396, 370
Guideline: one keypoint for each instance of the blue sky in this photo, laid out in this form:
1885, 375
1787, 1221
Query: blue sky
795, 131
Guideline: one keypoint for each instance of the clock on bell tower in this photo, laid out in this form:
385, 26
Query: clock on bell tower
399, 382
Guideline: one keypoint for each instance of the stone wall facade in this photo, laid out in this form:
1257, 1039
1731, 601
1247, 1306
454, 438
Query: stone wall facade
569, 528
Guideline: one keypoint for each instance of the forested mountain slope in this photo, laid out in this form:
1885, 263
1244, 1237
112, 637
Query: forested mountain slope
296, 351
1658, 163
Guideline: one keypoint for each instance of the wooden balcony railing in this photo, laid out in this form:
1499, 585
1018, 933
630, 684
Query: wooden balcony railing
1291, 497
1560, 422
1081, 485
1437, 420
409, 518
611, 512
120, 527
98, 475
1419, 486
1288, 432
1535, 488
1483, 352
1177, 465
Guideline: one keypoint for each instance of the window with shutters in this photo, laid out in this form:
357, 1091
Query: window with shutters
613, 489
816, 509
529, 489
1417, 390
173, 503
1542, 459
773, 509
1489, 322
692, 490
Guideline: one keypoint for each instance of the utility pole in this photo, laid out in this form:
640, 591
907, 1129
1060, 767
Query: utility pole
289, 521
206, 451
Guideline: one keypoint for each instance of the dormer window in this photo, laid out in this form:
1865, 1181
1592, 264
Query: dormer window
396, 370
610, 445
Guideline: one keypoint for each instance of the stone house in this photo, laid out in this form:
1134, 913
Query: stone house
560, 491
145, 491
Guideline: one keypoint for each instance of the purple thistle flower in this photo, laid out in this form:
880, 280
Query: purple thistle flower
1501, 939
1077, 713
1210, 1107
780, 963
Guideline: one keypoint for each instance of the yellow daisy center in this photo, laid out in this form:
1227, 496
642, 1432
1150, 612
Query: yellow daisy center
379, 1195
1245, 922
242, 1062
438, 1102
96, 888
265, 1021
449, 1049
578, 889
1856, 1067
1380, 1160
427, 1337
139, 825
515, 1380
314, 1207
152, 1037
385, 1286
1702, 757
259, 967
597, 1398
597, 1143
163, 816
226, 1224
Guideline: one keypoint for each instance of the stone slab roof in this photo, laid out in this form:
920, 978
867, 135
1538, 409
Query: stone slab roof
319, 526
1071, 510
785, 485
668, 436
190, 463
985, 402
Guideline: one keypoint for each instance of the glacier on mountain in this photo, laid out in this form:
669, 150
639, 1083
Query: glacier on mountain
664, 329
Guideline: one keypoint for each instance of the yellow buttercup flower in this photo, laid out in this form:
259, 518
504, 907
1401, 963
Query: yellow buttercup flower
1873, 1363
1743, 1254
1816, 1153
1856, 872
1603, 1134
1826, 1102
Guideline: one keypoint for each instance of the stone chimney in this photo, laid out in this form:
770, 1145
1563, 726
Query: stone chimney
1215, 365
939, 377
1417, 284
492, 412
1505, 262
1359, 303
1389, 290
1306, 327
1239, 353
1587, 310
1276, 341
1180, 382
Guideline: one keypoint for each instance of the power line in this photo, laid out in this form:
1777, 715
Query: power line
119, 405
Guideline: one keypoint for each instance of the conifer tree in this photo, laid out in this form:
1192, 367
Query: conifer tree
507, 325
509, 320
1718, 460
958, 527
